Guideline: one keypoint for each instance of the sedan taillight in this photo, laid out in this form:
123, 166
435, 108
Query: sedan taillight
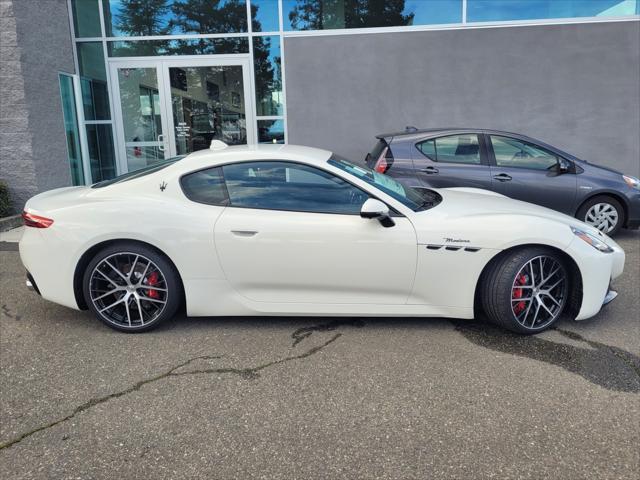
36, 221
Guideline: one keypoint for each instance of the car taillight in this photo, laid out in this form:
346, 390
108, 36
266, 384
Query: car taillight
36, 221
381, 165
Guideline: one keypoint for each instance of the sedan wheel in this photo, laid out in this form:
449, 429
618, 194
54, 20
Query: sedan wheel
131, 290
603, 216
526, 291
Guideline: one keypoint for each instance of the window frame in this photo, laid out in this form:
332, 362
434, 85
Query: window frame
483, 150
493, 162
393, 211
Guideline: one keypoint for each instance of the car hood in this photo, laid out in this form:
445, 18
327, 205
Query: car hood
475, 217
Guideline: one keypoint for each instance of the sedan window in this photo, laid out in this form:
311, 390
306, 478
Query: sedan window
510, 152
290, 186
205, 186
452, 149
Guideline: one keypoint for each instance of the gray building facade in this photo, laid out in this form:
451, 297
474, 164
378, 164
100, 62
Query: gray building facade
141, 88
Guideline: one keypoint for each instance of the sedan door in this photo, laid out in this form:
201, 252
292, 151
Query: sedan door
293, 233
531, 173
452, 161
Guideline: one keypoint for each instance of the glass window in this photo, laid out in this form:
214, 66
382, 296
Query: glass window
70, 117
453, 149
200, 46
264, 16
267, 62
413, 198
510, 152
290, 186
101, 152
328, 14
130, 18
86, 18
93, 80
271, 131
206, 186
502, 10
138, 173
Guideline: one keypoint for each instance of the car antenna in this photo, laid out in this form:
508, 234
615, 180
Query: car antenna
218, 145
410, 129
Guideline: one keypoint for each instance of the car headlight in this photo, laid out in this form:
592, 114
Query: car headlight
633, 182
592, 240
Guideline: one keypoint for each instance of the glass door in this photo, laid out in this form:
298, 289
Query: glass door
169, 107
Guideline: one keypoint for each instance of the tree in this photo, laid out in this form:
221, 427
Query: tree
324, 14
142, 17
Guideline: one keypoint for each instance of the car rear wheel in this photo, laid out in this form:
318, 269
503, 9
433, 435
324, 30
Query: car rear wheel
526, 291
603, 212
131, 287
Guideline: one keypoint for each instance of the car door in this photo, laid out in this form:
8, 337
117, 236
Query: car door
452, 161
529, 172
292, 233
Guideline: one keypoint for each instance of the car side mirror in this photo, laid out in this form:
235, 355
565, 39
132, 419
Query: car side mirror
564, 166
373, 208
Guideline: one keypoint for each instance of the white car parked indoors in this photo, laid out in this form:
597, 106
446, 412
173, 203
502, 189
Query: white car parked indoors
290, 230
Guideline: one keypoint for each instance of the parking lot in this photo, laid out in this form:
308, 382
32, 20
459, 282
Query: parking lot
317, 397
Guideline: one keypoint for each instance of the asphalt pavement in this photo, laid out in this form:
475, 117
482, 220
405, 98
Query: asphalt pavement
307, 398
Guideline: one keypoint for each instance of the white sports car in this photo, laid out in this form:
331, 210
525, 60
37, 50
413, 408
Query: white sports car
289, 230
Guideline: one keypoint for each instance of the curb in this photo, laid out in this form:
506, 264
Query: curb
8, 223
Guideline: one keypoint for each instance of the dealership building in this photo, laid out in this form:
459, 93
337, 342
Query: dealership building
91, 89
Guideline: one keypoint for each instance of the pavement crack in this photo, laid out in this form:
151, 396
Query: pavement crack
305, 332
246, 373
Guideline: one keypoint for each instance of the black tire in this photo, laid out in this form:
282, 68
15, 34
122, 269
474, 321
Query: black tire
147, 304
586, 208
502, 281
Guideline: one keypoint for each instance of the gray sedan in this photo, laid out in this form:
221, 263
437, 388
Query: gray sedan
514, 165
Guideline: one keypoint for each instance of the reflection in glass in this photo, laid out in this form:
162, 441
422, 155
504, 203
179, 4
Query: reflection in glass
86, 18
101, 152
500, 10
200, 46
207, 103
271, 131
264, 16
330, 14
71, 129
267, 62
93, 80
141, 116
130, 18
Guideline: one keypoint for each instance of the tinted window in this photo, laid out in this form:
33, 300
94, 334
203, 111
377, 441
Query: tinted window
510, 152
453, 149
205, 186
290, 186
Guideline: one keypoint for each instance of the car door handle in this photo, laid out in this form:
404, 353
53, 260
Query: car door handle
429, 170
503, 177
244, 233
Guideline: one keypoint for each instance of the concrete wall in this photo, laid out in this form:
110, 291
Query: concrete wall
35, 44
574, 86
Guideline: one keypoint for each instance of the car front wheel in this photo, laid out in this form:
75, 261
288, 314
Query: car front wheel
526, 291
603, 212
131, 288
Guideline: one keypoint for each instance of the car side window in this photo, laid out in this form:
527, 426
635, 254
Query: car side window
205, 186
464, 149
510, 152
290, 186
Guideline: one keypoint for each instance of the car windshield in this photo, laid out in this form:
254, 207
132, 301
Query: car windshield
138, 173
413, 198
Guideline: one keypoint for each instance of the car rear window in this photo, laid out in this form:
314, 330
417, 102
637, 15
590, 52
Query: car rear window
138, 173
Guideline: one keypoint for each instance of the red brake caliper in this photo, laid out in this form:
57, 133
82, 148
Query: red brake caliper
152, 280
518, 293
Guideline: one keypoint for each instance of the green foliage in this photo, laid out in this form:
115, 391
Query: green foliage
5, 201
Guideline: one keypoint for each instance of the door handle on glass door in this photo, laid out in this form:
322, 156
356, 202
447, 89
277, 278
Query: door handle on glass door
503, 177
244, 233
429, 170
161, 140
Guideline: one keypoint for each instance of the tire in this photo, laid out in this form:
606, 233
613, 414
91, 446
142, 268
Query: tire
600, 212
131, 287
511, 295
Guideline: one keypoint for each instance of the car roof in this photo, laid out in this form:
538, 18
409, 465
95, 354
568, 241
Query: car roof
237, 153
411, 131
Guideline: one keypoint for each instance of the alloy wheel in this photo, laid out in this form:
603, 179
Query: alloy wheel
128, 290
539, 292
603, 216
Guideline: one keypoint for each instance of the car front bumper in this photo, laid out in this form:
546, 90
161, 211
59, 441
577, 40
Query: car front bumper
633, 210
